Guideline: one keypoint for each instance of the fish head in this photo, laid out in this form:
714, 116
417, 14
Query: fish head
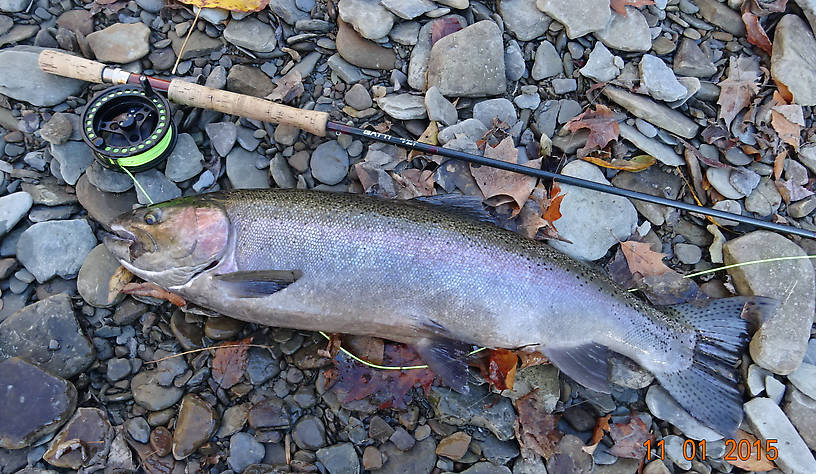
171, 242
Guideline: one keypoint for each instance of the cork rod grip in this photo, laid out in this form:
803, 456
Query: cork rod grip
186, 93
67, 65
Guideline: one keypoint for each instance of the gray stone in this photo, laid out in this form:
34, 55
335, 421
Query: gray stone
157, 187
242, 172
329, 163
652, 181
346, 71
403, 106
663, 406
281, 173
488, 110
101, 206
120, 43
148, 393
406, 33
662, 152
591, 220
222, 136
721, 15
74, 158
780, 343
249, 80
419, 460
514, 65
252, 34
186, 160
654, 113
601, 65
523, 19
138, 429
408, 9
22, 79
13, 6
628, 32
801, 411
774, 388
362, 52
793, 61
477, 408
287, 11
743, 180
12, 208
579, 17
486, 468
659, 80
769, 422
309, 433
570, 457
28, 332
564, 86
543, 379
469, 63
54, 248
421, 53
530, 99
472, 128
285, 134
765, 199
339, 459
94, 277
802, 208
720, 180
57, 130
688, 253
358, 97
108, 180
547, 62
804, 379
217, 78
371, 19
244, 450
439, 108
690, 60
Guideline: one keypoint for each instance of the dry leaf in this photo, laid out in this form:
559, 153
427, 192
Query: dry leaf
501, 368
230, 361
154, 291
788, 121
443, 27
756, 33
332, 346
766, 7
779, 164
530, 358
642, 259
429, 136
383, 127
601, 425
633, 165
620, 5
737, 90
500, 186
792, 192
536, 430
233, 5
629, 438
553, 211
414, 182
289, 88
120, 278
602, 126
757, 461
370, 349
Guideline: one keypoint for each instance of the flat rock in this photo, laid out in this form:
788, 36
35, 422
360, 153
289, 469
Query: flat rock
406, 33
469, 63
242, 172
94, 276
657, 114
74, 158
601, 65
421, 52
369, 17
195, 425
249, 80
54, 248
764, 199
690, 60
22, 79
13, 6
769, 422
579, 17
804, 379
523, 19
28, 334
664, 153
309, 433
57, 130
403, 106
12, 208
472, 128
252, 34
329, 162
514, 65
121, 42
186, 160
659, 80
108, 180
287, 11
591, 220
199, 44
93, 430
547, 62
157, 187
801, 411
477, 408
419, 460
793, 61
652, 181
663, 406
339, 459
408, 9
101, 206
502, 109
347, 72
721, 15
358, 97
244, 450
148, 393
628, 32
362, 52
33, 403
570, 457
439, 108
222, 136
780, 343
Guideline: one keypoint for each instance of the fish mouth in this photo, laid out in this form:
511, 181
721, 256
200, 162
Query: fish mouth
123, 243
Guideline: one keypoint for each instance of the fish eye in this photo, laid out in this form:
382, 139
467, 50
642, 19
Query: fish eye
151, 218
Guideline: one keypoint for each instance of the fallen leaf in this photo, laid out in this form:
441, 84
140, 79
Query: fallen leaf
757, 460
737, 90
375, 180
766, 7
289, 88
501, 368
788, 121
232, 5
642, 259
629, 438
429, 136
383, 127
756, 33
531, 358
154, 291
500, 186
414, 183
601, 425
620, 5
779, 164
792, 192
229, 362
553, 210
602, 126
443, 27
633, 165
120, 278
536, 430
332, 346
370, 349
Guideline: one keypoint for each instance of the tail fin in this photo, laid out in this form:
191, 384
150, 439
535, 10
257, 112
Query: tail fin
708, 389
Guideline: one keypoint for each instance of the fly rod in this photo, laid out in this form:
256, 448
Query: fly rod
317, 123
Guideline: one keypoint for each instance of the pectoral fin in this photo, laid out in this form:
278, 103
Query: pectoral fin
257, 284
448, 359
586, 364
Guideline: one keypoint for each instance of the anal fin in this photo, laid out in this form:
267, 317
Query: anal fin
257, 283
448, 359
587, 364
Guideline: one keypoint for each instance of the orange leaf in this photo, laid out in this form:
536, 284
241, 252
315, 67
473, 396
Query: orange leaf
602, 126
642, 259
500, 186
757, 461
779, 164
154, 291
756, 33
788, 121
233, 5
502, 368
633, 165
620, 5
553, 211
230, 362
531, 358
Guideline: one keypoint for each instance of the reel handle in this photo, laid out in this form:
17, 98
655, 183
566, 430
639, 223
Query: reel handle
186, 93
67, 65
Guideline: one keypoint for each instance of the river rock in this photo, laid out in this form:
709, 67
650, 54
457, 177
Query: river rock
33, 403
74, 158
156, 186
22, 79
801, 411
12, 208
148, 393
54, 248
591, 220
13, 6
764, 199
690, 60
121, 43
408, 9
186, 160
780, 343
199, 44
108, 180
94, 276
249, 80
663, 406
93, 430
57, 130
523, 19
579, 17
244, 450
469, 63
628, 32
514, 65
652, 181
662, 152
654, 113
368, 17
252, 34
439, 108
602, 65
419, 460
472, 128
287, 11
28, 334
477, 407
403, 106
309, 433
339, 459
101, 206
793, 61
195, 425
329, 163
721, 15
361, 52
421, 52
769, 422
804, 379
547, 62
242, 172
659, 80
489, 110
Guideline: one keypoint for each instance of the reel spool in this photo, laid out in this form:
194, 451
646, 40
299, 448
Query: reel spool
129, 127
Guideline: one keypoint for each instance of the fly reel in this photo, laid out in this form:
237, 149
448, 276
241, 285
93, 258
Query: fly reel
129, 127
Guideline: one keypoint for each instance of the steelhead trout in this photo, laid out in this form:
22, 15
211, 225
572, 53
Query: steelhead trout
431, 273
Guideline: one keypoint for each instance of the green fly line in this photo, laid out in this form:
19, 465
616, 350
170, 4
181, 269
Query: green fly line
139, 186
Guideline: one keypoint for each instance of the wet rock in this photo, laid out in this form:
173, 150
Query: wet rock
578, 17
469, 63
281, 173
252, 34
654, 113
403, 106
491, 412
309, 433
663, 406
361, 52
108, 180
103, 207
233, 420
138, 429
628, 32
358, 97
12, 208
369, 17
690, 60
244, 450
329, 162
439, 108
780, 343
801, 411
454, 446
74, 158
659, 80
242, 172
261, 366
223, 328
249, 80
793, 62
601, 66
157, 187
547, 62
339, 459
148, 393
94, 276
33, 403
90, 428
117, 369
186, 160
592, 221
195, 426
523, 19
54, 248
22, 79
769, 422
120, 43
721, 15
419, 460
161, 440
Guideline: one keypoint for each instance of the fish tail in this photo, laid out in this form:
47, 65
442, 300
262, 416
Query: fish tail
707, 389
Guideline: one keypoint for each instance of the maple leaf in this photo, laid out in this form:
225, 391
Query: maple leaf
629, 438
500, 186
230, 362
602, 126
501, 368
737, 90
788, 121
536, 430
756, 33
154, 291
757, 461
642, 259
233, 5
620, 5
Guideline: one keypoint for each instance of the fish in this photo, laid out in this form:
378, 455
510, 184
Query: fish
436, 273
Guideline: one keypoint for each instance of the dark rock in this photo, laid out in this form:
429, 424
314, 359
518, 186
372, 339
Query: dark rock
101, 206
339, 459
309, 433
478, 408
249, 80
419, 460
244, 450
195, 425
90, 428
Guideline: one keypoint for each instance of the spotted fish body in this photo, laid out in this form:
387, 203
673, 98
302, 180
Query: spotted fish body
415, 273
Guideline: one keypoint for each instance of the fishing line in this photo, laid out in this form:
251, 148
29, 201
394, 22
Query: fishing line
136, 183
